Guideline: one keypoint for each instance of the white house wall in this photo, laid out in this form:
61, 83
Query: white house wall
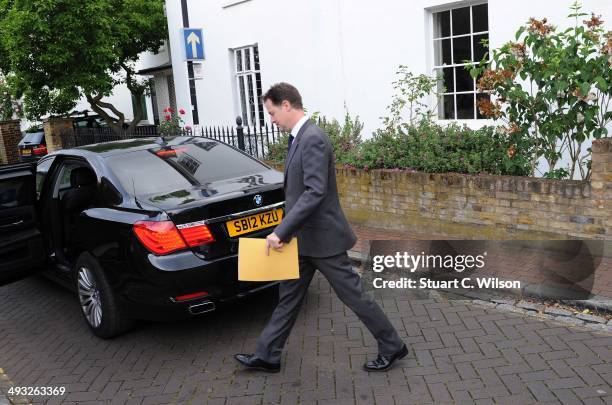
336, 52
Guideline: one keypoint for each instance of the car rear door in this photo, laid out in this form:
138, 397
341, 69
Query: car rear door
21, 246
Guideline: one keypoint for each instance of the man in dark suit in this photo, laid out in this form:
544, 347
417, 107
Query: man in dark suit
313, 215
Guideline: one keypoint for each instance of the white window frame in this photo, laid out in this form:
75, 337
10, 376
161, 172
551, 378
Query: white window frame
434, 68
255, 113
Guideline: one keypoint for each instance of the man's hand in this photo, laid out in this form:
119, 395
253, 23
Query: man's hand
272, 241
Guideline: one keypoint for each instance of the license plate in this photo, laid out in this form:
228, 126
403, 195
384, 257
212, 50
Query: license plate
26, 152
254, 223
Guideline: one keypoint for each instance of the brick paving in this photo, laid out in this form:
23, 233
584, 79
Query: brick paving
459, 353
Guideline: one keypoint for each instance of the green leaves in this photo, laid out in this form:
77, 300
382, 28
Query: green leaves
61, 50
519, 32
584, 89
429, 147
564, 83
602, 84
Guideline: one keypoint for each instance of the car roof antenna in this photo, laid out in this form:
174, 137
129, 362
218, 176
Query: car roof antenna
135, 198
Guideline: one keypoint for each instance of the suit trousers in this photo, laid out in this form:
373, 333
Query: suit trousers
347, 284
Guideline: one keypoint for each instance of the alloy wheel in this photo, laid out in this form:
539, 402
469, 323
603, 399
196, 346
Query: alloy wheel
89, 296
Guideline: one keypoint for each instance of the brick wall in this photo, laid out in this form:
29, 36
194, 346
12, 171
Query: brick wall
54, 128
482, 207
10, 135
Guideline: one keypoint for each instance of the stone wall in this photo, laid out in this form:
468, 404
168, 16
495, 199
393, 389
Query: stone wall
10, 135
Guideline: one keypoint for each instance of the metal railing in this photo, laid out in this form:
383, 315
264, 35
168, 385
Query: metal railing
80, 136
254, 141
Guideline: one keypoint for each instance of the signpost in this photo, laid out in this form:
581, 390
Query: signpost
198, 71
193, 41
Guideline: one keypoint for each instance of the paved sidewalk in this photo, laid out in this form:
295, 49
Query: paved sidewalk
365, 233
460, 353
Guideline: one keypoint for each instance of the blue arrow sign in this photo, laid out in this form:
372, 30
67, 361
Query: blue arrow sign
194, 43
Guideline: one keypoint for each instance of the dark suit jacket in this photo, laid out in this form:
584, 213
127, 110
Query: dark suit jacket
312, 208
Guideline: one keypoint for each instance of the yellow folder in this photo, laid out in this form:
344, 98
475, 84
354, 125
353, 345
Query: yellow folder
255, 265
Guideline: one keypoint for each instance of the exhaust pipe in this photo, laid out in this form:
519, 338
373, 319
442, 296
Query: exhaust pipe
201, 308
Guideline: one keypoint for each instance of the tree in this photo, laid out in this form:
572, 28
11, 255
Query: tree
56, 51
553, 87
9, 107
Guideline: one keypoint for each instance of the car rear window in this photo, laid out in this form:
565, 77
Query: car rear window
180, 164
33, 137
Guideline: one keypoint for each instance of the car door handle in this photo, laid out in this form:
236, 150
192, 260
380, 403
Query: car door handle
13, 224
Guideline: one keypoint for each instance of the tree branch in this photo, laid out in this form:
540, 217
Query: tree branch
137, 90
98, 107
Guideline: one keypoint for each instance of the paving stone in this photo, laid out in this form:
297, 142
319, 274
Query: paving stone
569, 319
505, 301
558, 311
510, 308
542, 316
530, 306
485, 303
591, 318
599, 326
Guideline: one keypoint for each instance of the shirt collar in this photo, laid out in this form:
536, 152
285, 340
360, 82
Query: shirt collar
298, 126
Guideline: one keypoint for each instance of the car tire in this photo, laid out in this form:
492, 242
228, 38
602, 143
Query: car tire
96, 299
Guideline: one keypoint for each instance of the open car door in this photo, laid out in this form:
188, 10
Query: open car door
21, 245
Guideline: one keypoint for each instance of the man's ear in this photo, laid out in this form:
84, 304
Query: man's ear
286, 105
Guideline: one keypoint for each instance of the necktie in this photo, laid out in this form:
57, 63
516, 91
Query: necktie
291, 137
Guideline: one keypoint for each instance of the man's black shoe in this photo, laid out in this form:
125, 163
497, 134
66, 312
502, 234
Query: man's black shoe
252, 362
384, 363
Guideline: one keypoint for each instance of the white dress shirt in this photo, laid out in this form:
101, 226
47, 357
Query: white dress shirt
298, 126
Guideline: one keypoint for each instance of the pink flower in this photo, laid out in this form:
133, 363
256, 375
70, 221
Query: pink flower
187, 127
170, 110
182, 112
167, 117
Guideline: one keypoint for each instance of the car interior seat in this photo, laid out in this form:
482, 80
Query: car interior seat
77, 198
82, 190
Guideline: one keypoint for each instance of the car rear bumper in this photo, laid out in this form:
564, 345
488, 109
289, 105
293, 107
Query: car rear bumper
154, 296
29, 158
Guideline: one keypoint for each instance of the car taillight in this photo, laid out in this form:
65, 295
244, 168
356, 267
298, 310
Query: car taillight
187, 297
196, 234
160, 237
163, 237
40, 150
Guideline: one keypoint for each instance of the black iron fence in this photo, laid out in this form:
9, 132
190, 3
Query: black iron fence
254, 141
80, 136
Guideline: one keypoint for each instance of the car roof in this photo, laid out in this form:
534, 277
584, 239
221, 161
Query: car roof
113, 148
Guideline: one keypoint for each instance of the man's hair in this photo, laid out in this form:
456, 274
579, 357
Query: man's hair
284, 91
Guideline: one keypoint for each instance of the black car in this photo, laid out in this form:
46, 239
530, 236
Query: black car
32, 146
139, 229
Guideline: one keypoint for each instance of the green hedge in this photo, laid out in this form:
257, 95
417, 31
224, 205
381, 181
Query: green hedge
430, 147
426, 146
